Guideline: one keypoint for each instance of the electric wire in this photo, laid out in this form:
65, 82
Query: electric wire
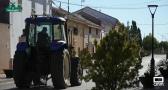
126, 8
156, 24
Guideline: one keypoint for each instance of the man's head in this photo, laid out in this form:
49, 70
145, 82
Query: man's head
44, 29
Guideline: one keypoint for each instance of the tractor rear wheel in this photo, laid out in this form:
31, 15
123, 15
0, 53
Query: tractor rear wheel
60, 70
21, 77
76, 72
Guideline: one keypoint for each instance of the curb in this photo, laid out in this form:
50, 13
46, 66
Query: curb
2, 80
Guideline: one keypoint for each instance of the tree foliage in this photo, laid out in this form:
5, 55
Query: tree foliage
85, 58
147, 43
116, 61
135, 33
164, 45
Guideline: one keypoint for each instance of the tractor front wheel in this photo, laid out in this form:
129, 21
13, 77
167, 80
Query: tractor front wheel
76, 72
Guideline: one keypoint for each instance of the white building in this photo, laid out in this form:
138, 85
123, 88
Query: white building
17, 24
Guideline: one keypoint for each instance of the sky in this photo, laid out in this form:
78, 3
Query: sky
126, 11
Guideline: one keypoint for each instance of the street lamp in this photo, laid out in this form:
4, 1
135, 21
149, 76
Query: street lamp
152, 9
68, 6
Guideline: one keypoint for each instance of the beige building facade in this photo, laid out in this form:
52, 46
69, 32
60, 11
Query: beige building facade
83, 35
82, 32
4, 47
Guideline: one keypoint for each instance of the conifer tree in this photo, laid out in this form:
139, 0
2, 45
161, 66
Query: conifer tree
116, 62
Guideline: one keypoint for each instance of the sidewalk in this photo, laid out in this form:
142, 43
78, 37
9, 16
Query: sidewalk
4, 79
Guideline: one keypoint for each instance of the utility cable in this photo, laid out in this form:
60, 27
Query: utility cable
127, 8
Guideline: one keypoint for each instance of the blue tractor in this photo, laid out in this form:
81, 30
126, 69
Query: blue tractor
43, 52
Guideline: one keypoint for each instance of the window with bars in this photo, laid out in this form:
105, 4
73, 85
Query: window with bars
97, 32
90, 30
75, 30
20, 2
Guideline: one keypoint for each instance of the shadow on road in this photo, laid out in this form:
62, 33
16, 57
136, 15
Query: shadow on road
35, 88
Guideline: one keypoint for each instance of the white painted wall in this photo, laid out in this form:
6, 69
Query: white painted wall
106, 29
17, 20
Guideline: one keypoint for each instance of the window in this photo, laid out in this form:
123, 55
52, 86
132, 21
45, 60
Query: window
96, 31
36, 29
93, 50
78, 50
20, 2
31, 35
58, 32
40, 28
90, 30
75, 31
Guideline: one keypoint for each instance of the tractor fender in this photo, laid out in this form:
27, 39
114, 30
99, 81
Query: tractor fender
67, 67
58, 46
66, 53
21, 47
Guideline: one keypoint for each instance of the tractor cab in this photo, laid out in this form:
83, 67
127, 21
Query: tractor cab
42, 31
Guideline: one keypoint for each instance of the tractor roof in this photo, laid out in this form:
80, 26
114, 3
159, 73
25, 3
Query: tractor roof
53, 20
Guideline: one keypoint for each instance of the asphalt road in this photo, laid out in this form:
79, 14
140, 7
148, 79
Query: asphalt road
8, 84
146, 62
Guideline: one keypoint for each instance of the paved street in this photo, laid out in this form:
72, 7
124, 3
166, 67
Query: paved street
146, 62
8, 84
